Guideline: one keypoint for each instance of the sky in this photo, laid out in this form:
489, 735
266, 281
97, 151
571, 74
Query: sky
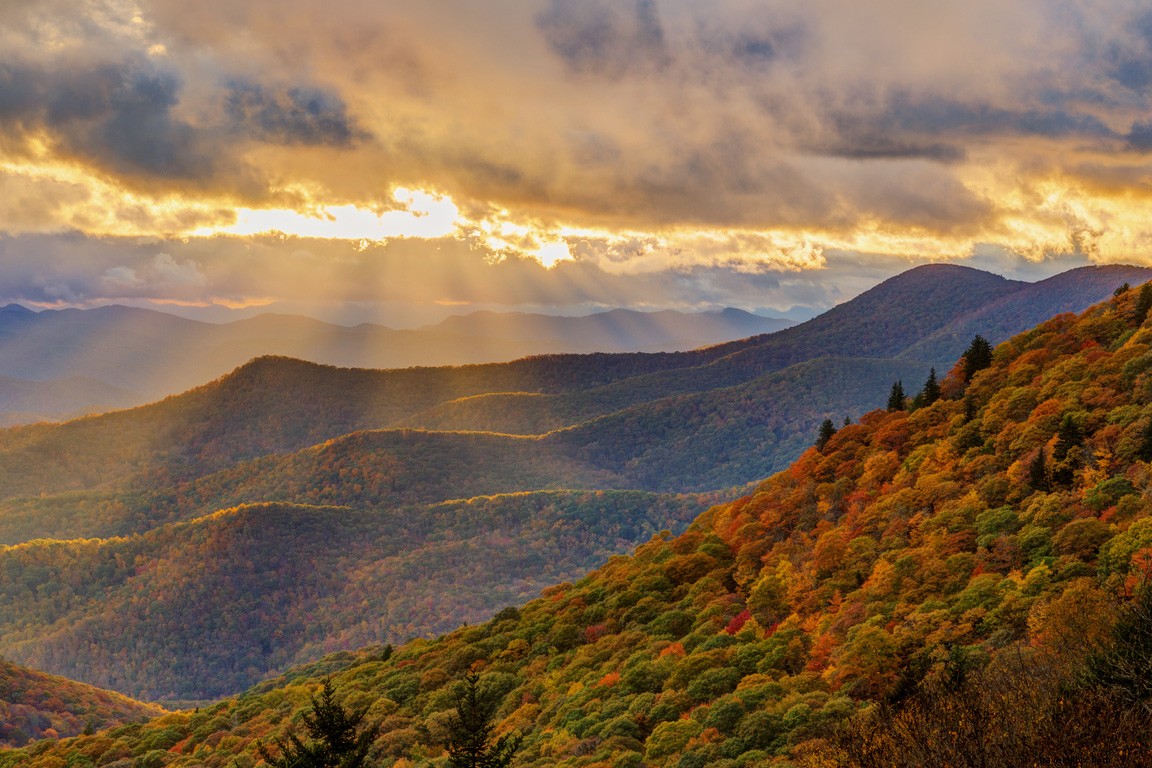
397, 160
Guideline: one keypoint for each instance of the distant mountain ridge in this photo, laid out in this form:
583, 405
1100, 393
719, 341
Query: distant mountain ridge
132, 355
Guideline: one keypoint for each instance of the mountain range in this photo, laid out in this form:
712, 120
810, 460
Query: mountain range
138, 485
960, 583
70, 362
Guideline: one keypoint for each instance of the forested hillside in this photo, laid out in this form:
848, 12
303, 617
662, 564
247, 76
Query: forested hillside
205, 608
34, 706
966, 581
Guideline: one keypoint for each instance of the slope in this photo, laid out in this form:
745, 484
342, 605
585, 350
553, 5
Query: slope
208, 607
1005, 528
34, 705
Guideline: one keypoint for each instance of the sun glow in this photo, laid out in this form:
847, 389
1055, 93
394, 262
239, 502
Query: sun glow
422, 214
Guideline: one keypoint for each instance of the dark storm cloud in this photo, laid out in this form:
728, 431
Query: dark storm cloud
295, 115
126, 117
117, 115
1132, 66
605, 38
907, 124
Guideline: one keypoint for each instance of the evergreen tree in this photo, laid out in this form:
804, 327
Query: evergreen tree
1124, 665
969, 410
1068, 436
1143, 303
931, 391
1066, 455
977, 357
896, 397
1123, 289
1038, 472
335, 738
1144, 452
826, 432
470, 730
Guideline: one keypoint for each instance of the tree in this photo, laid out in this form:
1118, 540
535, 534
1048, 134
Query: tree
896, 397
977, 357
1143, 303
470, 730
335, 737
826, 432
931, 391
1124, 665
1038, 472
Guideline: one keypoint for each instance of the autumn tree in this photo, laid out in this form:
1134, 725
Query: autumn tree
336, 737
470, 730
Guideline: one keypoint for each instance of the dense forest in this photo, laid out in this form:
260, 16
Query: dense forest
201, 609
964, 582
34, 706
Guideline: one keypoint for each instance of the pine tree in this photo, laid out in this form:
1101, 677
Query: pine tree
826, 431
977, 357
1143, 304
896, 397
1068, 436
335, 738
1144, 452
470, 730
1038, 472
931, 391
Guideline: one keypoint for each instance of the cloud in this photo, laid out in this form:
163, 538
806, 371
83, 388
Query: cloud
293, 115
783, 131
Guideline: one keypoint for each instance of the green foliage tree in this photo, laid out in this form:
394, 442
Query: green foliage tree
977, 357
470, 730
896, 397
337, 738
826, 431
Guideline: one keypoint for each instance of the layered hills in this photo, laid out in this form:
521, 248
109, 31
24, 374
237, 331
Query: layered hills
966, 580
297, 439
129, 356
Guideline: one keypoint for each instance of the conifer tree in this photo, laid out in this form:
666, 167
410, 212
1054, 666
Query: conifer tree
896, 397
470, 730
826, 431
931, 391
1144, 452
1143, 304
335, 737
977, 357
1038, 472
